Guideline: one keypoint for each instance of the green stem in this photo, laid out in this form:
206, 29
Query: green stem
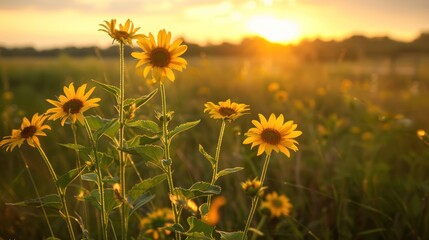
85, 210
260, 224
166, 142
216, 165
37, 194
255, 200
103, 216
60, 191
122, 157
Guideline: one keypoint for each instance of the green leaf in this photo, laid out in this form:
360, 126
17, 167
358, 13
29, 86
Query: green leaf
142, 187
69, 177
199, 227
52, 238
105, 159
199, 189
181, 128
72, 146
48, 201
90, 177
142, 200
147, 152
102, 126
109, 88
175, 228
231, 235
145, 125
206, 155
256, 231
94, 198
228, 171
142, 140
204, 209
139, 101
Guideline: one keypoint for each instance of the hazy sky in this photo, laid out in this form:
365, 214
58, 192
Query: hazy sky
58, 23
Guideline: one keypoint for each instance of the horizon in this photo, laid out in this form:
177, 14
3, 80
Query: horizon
44, 24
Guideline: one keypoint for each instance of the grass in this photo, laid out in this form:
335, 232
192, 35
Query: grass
361, 172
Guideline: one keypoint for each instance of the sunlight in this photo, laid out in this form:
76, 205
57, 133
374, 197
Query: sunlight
274, 29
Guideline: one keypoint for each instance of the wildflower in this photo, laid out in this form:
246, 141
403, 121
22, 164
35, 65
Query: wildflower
281, 96
277, 205
28, 132
273, 87
226, 110
182, 202
72, 105
274, 134
213, 217
421, 133
252, 187
161, 57
125, 34
153, 224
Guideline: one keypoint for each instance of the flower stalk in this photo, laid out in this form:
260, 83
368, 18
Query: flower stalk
61, 192
217, 154
103, 215
255, 199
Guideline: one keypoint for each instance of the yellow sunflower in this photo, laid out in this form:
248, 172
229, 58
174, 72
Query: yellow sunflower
252, 187
277, 205
28, 131
226, 110
72, 104
125, 34
274, 134
161, 57
152, 225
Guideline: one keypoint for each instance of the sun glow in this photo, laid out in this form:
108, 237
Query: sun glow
274, 29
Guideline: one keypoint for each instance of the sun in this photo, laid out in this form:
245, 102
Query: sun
274, 29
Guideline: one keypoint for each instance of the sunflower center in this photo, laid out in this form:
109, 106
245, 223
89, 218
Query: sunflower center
226, 111
121, 34
28, 131
160, 57
277, 203
73, 106
271, 136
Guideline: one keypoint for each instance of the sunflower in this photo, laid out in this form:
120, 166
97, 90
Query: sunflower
28, 131
125, 34
152, 225
161, 57
274, 134
226, 110
72, 104
277, 205
252, 187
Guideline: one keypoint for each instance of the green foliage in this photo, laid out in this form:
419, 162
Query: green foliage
198, 189
230, 235
181, 128
141, 188
48, 201
69, 177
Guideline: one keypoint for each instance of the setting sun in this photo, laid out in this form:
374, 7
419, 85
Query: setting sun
273, 29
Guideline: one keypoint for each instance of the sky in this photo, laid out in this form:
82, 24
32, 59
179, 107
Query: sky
60, 23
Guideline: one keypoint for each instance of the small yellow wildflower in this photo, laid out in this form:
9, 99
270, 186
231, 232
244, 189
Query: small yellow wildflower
273, 134
421, 133
182, 202
152, 225
161, 57
277, 205
226, 110
125, 34
281, 96
28, 132
274, 86
72, 105
252, 187
213, 216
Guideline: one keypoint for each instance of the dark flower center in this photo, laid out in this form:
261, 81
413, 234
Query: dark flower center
121, 35
28, 131
271, 136
226, 111
73, 106
277, 203
160, 57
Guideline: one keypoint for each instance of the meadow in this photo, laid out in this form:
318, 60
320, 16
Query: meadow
361, 171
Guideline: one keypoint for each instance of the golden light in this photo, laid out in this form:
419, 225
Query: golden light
274, 29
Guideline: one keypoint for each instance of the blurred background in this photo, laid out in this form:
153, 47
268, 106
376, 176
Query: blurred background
353, 75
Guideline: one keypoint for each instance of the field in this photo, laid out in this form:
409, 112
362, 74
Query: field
361, 171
